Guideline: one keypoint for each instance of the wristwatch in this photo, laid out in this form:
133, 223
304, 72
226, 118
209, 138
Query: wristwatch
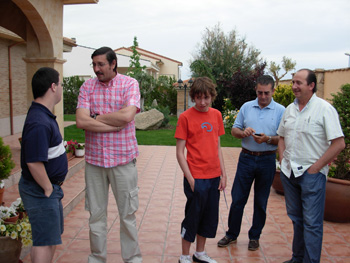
94, 115
269, 140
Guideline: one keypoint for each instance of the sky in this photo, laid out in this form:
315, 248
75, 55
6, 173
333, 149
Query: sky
313, 33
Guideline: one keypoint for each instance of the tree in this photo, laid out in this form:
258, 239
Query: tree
220, 56
137, 72
287, 65
240, 87
71, 86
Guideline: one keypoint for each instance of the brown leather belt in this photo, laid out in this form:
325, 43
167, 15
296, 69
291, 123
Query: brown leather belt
258, 153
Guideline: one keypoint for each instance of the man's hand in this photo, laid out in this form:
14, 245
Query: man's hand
260, 138
240, 134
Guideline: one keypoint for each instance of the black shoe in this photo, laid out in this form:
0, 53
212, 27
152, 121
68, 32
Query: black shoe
253, 245
225, 241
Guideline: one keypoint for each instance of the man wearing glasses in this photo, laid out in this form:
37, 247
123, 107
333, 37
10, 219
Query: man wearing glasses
106, 109
256, 124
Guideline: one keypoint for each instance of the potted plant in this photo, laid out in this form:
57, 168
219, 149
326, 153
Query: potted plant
13, 236
70, 149
6, 165
277, 183
338, 184
19, 207
79, 150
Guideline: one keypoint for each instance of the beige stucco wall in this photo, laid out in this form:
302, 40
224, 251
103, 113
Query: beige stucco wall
328, 81
334, 79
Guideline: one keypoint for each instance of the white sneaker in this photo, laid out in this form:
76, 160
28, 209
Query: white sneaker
185, 259
203, 258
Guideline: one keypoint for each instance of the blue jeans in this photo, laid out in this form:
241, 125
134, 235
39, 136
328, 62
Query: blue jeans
305, 198
45, 213
260, 170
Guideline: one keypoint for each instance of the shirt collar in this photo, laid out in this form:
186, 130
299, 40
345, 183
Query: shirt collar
110, 83
270, 106
36, 105
313, 97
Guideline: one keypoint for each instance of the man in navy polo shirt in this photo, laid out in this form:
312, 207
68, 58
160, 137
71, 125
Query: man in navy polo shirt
44, 166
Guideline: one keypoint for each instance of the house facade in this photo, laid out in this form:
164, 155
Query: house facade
158, 65
31, 37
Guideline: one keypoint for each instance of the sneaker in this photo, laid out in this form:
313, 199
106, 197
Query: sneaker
203, 258
185, 259
225, 241
253, 245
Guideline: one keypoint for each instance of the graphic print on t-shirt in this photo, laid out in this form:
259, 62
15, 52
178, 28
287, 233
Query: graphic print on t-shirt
207, 126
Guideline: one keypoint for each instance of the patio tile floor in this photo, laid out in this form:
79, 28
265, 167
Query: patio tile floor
161, 211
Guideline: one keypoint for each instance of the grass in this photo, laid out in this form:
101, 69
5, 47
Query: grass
163, 136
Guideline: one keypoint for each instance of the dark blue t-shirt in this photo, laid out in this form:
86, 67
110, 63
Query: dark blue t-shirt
42, 142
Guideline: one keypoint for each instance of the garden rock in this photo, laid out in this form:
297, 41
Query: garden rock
149, 120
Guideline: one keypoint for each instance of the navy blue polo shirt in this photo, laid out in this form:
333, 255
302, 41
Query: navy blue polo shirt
42, 142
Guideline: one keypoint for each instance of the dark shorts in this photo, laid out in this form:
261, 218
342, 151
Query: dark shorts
45, 213
202, 209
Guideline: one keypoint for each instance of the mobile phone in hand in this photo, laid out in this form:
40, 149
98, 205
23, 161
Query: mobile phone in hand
257, 134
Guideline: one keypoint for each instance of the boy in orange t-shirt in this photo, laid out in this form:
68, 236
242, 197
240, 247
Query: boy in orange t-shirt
198, 130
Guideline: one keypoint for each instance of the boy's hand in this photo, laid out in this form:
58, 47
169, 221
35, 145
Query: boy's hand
222, 184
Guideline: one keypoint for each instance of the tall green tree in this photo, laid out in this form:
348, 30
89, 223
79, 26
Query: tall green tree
137, 72
220, 56
287, 65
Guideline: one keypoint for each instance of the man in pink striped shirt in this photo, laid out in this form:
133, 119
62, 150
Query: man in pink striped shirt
106, 109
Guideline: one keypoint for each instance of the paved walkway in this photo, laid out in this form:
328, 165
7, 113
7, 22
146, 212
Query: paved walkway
161, 211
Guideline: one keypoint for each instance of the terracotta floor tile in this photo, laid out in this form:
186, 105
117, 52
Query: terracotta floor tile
247, 260
152, 237
333, 238
241, 250
152, 249
274, 238
151, 225
161, 211
338, 250
80, 245
341, 260
273, 250
73, 256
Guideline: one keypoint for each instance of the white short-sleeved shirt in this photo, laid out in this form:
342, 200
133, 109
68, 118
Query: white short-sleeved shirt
307, 134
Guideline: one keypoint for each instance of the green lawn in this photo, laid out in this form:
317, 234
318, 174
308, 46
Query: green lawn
154, 137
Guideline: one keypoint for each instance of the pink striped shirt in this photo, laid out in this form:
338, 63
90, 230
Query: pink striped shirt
109, 149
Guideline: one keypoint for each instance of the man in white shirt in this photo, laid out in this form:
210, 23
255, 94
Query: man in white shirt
310, 138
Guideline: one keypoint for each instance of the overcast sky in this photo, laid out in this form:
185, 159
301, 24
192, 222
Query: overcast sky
314, 33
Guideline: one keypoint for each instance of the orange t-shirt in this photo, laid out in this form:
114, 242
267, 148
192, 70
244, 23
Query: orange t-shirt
201, 130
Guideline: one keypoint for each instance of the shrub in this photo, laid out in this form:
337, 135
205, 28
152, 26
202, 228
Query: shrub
6, 163
229, 114
71, 86
284, 94
341, 102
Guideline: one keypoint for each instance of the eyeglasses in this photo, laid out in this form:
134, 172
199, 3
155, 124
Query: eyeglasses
264, 92
99, 65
